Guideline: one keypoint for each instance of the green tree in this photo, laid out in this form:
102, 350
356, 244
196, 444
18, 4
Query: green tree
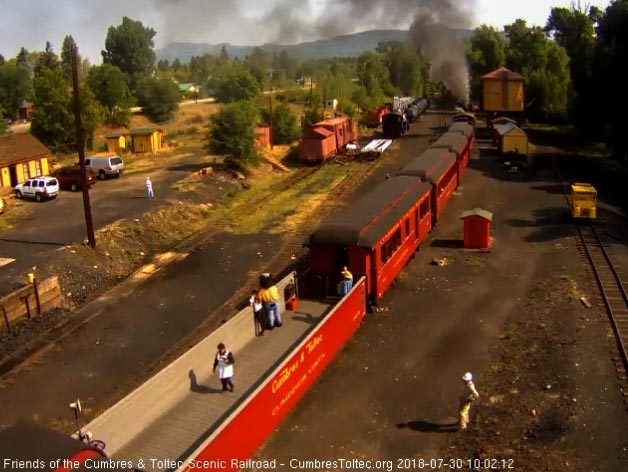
202, 67
129, 47
52, 119
407, 68
2, 60
574, 29
66, 57
259, 62
232, 133
223, 59
47, 60
111, 90
545, 65
92, 113
285, 127
234, 82
159, 97
16, 85
486, 51
611, 56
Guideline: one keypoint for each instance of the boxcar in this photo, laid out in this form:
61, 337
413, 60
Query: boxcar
374, 116
583, 201
457, 143
326, 138
439, 167
374, 237
394, 125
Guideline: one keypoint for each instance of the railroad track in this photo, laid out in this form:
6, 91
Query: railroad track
613, 293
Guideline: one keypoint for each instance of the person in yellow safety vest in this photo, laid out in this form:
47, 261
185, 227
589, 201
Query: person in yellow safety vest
347, 281
469, 396
270, 299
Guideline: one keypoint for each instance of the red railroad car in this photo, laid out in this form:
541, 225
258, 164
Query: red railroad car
374, 116
29, 446
466, 129
374, 237
326, 138
439, 167
459, 144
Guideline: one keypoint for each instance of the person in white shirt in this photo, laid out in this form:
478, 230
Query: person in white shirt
149, 188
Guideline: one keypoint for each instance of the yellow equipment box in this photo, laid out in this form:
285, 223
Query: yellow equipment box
583, 201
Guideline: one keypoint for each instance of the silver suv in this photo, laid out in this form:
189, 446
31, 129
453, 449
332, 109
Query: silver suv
39, 188
104, 167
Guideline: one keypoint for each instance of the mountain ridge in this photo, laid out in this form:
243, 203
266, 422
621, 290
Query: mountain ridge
348, 45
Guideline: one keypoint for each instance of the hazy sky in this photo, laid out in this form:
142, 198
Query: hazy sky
30, 23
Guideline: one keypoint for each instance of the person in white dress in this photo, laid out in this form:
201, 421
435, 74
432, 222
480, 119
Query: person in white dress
224, 363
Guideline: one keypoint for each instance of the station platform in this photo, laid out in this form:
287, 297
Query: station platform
183, 426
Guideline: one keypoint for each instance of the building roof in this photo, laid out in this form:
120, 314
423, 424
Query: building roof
114, 135
186, 87
15, 148
503, 74
367, 220
461, 127
503, 119
25, 104
142, 131
319, 131
430, 165
333, 121
508, 128
487, 215
452, 140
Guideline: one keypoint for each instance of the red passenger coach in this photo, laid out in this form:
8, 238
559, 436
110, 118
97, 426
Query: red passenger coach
375, 236
457, 143
466, 129
439, 167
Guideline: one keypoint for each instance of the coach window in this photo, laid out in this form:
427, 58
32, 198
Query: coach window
425, 207
407, 227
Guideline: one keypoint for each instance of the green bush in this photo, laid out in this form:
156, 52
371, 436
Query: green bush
232, 134
285, 128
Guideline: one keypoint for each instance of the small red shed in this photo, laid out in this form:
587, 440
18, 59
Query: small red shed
477, 228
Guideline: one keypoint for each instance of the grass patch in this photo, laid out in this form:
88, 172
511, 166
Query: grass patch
473, 260
14, 212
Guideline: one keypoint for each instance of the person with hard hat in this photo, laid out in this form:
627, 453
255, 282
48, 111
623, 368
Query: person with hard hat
347, 281
469, 396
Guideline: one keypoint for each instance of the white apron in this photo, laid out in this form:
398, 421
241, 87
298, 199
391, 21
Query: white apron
225, 370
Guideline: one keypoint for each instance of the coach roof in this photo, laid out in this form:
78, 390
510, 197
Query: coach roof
453, 141
367, 220
431, 165
462, 127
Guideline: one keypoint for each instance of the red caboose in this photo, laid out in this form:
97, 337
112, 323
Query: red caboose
374, 116
375, 237
439, 167
326, 138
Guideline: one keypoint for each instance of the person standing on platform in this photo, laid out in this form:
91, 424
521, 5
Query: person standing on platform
224, 362
347, 281
259, 313
270, 299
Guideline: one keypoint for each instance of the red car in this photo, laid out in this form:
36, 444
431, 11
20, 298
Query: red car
70, 177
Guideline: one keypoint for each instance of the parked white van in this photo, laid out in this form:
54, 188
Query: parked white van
111, 166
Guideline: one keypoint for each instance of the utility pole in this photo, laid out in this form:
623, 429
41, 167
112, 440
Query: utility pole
311, 91
270, 96
80, 141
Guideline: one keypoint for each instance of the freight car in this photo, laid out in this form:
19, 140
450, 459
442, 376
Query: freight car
374, 116
394, 125
416, 109
375, 236
327, 138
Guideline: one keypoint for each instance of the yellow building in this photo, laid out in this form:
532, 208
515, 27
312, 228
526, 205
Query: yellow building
146, 140
115, 142
22, 156
503, 91
512, 139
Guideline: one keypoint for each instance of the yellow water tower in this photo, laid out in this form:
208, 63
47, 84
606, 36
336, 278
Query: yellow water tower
503, 91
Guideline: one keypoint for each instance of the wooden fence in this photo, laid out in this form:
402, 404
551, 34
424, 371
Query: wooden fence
29, 301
